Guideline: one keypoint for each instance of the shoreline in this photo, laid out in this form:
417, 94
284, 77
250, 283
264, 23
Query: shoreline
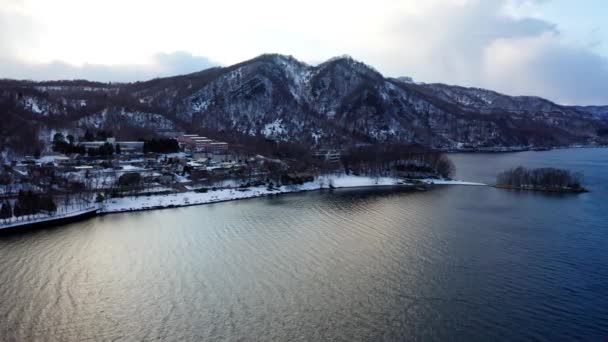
46, 222
492, 150
192, 198
270, 194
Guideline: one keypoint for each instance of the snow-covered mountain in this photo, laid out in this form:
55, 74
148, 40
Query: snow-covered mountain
337, 103
598, 112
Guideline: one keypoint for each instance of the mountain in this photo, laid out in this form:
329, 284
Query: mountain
338, 103
598, 112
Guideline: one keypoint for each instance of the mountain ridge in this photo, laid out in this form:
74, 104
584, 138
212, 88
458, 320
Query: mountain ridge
340, 102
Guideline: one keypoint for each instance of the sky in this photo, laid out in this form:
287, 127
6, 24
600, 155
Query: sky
550, 48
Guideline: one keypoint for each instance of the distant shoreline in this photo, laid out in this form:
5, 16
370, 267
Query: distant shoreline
520, 149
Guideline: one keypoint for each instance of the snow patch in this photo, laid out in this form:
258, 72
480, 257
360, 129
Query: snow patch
274, 129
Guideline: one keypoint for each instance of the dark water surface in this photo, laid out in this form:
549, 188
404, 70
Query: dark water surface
463, 263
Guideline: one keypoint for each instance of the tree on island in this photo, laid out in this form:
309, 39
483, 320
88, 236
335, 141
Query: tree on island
545, 179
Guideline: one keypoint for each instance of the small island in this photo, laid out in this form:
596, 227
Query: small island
541, 179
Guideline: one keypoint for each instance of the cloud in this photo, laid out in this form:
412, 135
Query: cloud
497, 44
544, 65
161, 65
478, 43
18, 30
450, 39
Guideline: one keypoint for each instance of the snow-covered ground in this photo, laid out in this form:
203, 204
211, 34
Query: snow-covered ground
194, 198
274, 129
349, 181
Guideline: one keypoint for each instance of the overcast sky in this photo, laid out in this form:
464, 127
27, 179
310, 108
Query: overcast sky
550, 48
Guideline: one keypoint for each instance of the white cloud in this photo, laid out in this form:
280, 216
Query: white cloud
161, 65
544, 65
501, 44
479, 43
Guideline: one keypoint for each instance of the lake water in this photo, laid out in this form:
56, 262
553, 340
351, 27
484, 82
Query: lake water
454, 263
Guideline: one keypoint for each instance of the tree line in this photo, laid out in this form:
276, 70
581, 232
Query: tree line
161, 146
384, 159
66, 145
28, 203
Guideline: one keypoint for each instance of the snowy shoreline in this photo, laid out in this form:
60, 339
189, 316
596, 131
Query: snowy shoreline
131, 204
192, 198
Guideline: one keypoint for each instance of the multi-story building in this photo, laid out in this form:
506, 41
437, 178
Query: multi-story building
202, 144
126, 147
130, 146
186, 140
218, 147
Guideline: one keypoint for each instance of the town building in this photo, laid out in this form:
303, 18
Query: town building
126, 147
186, 140
331, 156
202, 144
197, 143
218, 147
130, 147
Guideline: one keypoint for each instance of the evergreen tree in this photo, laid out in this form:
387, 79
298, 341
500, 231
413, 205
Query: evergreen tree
6, 211
49, 205
21, 204
161, 146
58, 142
88, 136
99, 198
17, 211
9, 209
29, 203
58, 137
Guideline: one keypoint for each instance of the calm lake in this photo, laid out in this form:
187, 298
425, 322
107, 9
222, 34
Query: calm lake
459, 262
